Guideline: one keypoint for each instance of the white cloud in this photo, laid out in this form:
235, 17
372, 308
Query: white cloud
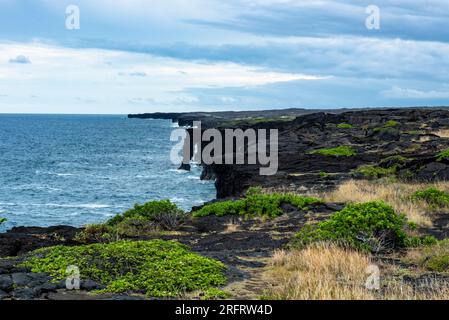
74, 78
406, 93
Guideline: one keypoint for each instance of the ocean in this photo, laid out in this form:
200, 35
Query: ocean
82, 169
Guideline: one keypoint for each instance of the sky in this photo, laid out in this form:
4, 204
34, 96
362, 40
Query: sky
132, 56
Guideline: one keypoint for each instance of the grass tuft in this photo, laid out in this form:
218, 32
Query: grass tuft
443, 155
341, 151
345, 126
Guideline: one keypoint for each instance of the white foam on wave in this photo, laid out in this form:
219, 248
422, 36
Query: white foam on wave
38, 172
178, 199
178, 171
7, 204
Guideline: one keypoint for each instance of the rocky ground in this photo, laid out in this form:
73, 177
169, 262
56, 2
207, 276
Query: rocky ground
245, 245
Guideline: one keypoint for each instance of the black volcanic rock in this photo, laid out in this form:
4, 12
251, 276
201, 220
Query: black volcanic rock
24, 239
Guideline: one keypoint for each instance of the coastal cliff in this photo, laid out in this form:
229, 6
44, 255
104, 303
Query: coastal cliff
409, 134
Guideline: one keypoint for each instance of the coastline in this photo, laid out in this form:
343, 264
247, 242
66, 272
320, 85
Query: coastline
379, 137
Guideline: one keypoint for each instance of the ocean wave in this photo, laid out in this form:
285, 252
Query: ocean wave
178, 199
38, 172
178, 171
7, 204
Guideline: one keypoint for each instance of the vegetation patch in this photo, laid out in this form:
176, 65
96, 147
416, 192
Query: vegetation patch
374, 172
371, 226
345, 126
2, 220
324, 174
257, 204
387, 167
391, 124
433, 257
394, 161
154, 211
341, 151
434, 197
443, 155
215, 294
157, 268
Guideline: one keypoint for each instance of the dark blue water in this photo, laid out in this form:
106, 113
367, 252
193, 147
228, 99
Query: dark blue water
76, 170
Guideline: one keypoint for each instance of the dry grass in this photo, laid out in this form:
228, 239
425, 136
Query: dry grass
232, 226
443, 133
396, 194
320, 272
327, 272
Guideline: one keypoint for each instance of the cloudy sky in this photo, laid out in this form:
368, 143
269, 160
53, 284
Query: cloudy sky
177, 55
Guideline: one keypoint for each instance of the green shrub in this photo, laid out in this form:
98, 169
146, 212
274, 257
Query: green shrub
391, 124
268, 205
434, 197
414, 242
324, 174
341, 151
2, 220
370, 226
443, 155
254, 191
158, 268
141, 220
153, 211
345, 126
95, 233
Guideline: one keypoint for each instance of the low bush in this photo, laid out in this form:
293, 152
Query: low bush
374, 172
389, 127
141, 220
324, 174
391, 124
371, 226
434, 197
157, 268
2, 220
95, 233
341, 151
433, 257
151, 211
415, 241
443, 155
256, 204
394, 161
